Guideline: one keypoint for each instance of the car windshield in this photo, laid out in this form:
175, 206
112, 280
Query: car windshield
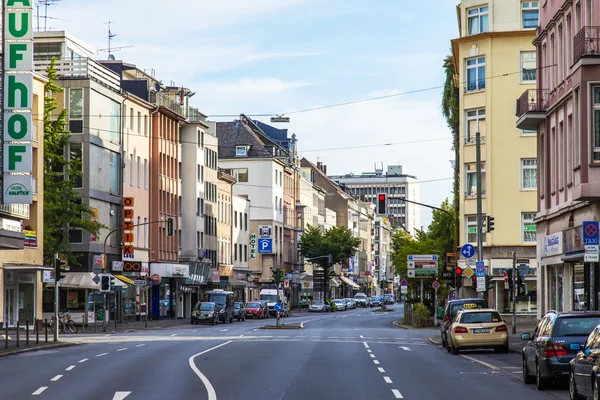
338, 301
217, 298
318, 303
360, 296
237, 306
207, 307
253, 305
269, 297
575, 326
480, 317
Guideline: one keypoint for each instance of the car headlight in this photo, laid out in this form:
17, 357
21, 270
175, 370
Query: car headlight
211, 313
222, 311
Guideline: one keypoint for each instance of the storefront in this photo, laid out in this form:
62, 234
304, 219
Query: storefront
242, 285
22, 293
133, 299
167, 302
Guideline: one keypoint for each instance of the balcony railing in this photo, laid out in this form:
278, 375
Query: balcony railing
83, 68
532, 100
163, 100
586, 43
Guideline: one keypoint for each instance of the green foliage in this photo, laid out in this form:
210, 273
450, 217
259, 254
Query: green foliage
337, 242
62, 207
421, 311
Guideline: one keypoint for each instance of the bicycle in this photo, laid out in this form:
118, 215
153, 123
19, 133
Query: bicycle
64, 319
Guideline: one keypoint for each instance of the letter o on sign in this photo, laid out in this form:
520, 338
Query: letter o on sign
134, 267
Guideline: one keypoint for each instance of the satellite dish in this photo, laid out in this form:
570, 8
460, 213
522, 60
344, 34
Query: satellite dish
156, 87
111, 57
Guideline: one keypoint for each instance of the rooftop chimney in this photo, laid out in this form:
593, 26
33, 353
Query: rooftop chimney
324, 169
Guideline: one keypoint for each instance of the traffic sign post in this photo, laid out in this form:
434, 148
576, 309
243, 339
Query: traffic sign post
468, 251
590, 233
479, 269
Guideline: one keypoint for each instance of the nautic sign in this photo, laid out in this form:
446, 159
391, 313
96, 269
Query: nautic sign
17, 102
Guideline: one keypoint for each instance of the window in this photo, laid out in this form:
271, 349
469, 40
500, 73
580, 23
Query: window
561, 56
275, 177
475, 74
245, 221
131, 119
472, 228
235, 218
76, 156
528, 66
145, 125
471, 189
75, 235
528, 227
241, 151
115, 119
114, 173
137, 234
596, 121
475, 121
139, 171
76, 103
240, 174
198, 206
240, 251
530, 12
131, 158
145, 233
528, 173
145, 173
477, 20
235, 252
240, 220
245, 253
199, 173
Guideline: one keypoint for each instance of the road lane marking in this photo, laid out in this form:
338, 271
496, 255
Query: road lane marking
140, 345
57, 377
224, 330
366, 345
69, 368
362, 337
110, 334
120, 395
39, 391
369, 351
372, 355
490, 366
516, 372
173, 335
195, 330
397, 393
387, 379
101, 354
123, 349
375, 362
84, 360
241, 336
381, 370
210, 390
511, 367
404, 348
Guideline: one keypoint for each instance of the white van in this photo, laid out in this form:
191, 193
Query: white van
272, 296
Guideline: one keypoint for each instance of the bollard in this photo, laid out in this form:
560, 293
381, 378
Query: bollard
46, 328
17, 333
27, 332
37, 331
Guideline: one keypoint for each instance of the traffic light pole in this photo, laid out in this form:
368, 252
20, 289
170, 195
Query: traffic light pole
514, 294
56, 296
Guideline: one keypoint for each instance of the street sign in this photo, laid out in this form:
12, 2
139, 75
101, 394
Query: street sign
278, 307
524, 261
590, 257
265, 245
96, 279
591, 248
481, 284
139, 282
155, 279
410, 265
411, 273
468, 272
253, 245
468, 250
403, 282
403, 289
590, 232
470, 262
422, 257
435, 285
479, 269
523, 269
97, 267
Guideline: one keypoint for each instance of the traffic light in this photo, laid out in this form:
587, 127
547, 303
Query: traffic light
509, 273
489, 224
382, 204
105, 283
170, 226
458, 271
59, 264
277, 275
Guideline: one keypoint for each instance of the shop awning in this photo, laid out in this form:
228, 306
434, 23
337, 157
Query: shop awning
335, 282
124, 279
242, 283
573, 257
349, 282
82, 280
16, 266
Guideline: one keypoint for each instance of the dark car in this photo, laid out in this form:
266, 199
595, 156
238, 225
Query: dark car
554, 343
450, 311
583, 376
205, 312
239, 311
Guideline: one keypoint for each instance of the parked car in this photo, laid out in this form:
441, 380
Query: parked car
255, 309
361, 299
389, 299
375, 301
239, 311
583, 375
369, 302
317, 306
349, 303
477, 329
340, 305
554, 343
205, 312
450, 311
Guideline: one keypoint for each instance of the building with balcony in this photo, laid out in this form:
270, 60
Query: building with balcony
564, 111
397, 185
242, 281
494, 61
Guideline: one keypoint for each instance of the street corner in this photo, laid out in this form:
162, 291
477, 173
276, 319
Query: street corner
398, 324
434, 341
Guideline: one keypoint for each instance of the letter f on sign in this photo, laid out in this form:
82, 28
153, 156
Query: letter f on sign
14, 157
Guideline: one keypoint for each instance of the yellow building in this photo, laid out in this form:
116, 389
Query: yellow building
22, 269
494, 60
224, 224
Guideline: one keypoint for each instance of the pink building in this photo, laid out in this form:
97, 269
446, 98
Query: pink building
564, 109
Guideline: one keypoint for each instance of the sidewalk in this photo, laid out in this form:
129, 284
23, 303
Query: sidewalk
515, 344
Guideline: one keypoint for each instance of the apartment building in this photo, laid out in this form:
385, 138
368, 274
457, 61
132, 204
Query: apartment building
495, 62
564, 110
397, 185
243, 282
382, 260
224, 225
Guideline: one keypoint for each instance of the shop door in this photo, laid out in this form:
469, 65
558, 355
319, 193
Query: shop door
26, 303
11, 310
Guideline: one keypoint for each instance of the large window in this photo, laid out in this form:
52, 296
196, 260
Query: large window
471, 171
530, 12
114, 173
478, 20
472, 228
75, 103
76, 157
528, 227
528, 66
241, 174
596, 121
115, 122
528, 173
475, 73
475, 122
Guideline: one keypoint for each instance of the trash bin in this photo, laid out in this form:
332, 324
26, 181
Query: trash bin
99, 315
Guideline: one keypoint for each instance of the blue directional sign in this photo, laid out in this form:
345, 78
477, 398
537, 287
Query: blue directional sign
468, 250
590, 233
278, 307
479, 269
265, 245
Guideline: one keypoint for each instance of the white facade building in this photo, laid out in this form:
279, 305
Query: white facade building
240, 232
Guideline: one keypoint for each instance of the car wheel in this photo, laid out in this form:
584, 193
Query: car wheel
448, 348
527, 378
540, 383
214, 321
573, 395
454, 350
596, 391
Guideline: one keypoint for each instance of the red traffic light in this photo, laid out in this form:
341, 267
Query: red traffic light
381, 197
458, 271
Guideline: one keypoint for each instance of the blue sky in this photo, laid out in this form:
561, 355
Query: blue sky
278, 56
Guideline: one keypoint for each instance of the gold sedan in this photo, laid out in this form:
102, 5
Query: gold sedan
478, 329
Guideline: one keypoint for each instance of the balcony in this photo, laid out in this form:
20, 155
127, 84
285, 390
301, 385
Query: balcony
531, 108
166, 101
84, 68
586, 43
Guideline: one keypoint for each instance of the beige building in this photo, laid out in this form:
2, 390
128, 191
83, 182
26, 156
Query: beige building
22, 270
224, 223
494, 60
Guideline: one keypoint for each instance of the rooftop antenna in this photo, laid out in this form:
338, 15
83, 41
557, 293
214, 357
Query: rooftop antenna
45, 3
111, 36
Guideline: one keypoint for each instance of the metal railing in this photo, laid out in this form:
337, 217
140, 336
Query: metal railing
83, 68
586, 43
532, 100
163, 100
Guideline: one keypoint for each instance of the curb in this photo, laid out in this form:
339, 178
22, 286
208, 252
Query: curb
433, 341
282, 327
31, 349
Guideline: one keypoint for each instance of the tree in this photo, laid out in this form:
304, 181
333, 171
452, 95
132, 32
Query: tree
336, 242
62, 208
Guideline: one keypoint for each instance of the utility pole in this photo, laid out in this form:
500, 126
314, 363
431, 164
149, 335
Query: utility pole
514, 294
479, 205
56, 296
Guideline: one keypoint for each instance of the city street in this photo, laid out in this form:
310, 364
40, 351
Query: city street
347, 355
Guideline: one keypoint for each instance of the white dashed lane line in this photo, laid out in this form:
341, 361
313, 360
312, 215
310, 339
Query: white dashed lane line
173, 335
372, 355
387, 379
381, 370
101, 354
123, 349
57, 377
375, 362
39, 391
366, 345
84, 360
397, 393
140, 345
69, 368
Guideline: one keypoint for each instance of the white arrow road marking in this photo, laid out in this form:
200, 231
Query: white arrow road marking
404, 348
210, 390
120, 395
39, 391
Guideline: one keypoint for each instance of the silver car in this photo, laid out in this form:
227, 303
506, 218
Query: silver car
340, 305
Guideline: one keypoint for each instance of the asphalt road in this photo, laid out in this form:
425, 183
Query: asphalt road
355, 354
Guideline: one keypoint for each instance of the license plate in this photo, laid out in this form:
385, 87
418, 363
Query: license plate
481, 330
